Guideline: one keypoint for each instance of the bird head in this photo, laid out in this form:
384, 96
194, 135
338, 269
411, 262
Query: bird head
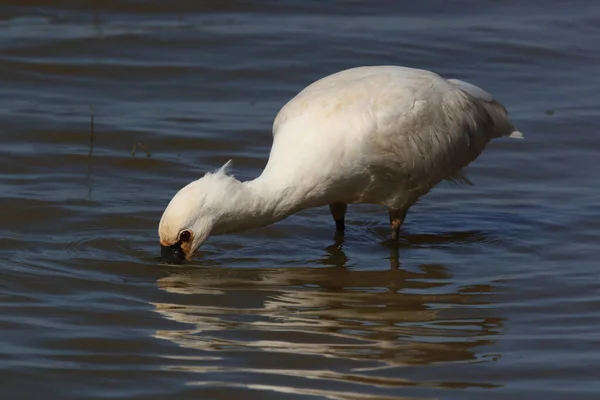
191, 215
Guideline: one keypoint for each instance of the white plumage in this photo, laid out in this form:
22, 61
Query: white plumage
381, 135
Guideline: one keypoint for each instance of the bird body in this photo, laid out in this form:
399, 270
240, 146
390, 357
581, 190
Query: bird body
379, 135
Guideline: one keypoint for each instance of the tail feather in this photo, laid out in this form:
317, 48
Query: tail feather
516, 135
495, 109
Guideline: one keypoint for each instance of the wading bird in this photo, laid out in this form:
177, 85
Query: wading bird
379, 135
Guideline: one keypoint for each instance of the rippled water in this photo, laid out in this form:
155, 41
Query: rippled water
492, 293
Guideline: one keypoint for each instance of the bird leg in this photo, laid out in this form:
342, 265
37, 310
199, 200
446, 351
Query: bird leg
396, 219
338, 211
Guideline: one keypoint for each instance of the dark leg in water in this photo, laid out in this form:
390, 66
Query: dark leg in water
396, 219
338, 211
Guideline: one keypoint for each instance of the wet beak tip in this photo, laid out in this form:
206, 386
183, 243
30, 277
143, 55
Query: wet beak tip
173, 254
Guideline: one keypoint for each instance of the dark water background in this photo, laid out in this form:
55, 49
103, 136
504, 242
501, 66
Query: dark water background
493, 294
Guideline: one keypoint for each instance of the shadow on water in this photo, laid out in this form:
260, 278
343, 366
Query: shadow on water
329, 323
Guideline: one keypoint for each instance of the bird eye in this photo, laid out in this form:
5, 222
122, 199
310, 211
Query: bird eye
184, 236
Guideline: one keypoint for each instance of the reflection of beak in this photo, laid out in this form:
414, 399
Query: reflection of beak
172, 254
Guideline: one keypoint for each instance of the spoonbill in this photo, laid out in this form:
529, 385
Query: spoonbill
375, 134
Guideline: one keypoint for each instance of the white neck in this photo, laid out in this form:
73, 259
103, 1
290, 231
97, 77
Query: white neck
261, 202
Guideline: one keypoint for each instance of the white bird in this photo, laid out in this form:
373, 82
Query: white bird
378, 134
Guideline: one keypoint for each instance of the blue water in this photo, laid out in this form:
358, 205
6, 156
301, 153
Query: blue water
492, 293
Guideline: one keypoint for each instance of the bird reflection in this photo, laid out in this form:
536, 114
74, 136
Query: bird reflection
365, 319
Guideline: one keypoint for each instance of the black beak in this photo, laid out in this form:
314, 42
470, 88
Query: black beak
172, 254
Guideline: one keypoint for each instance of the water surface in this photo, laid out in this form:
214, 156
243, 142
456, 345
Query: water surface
492, 293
